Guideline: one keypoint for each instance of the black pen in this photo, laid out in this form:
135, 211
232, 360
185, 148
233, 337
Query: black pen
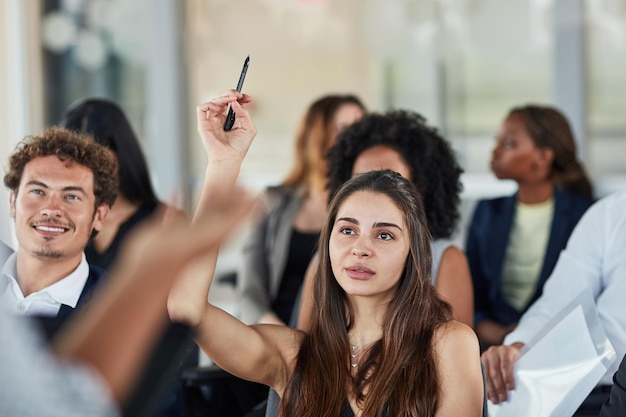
230, 118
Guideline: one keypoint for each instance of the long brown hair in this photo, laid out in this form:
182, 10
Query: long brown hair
548, 128
315, 136
401, 368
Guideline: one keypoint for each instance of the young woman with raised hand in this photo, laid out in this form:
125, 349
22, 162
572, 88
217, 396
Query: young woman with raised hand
381, 341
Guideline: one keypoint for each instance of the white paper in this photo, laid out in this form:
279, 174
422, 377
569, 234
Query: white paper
557, 372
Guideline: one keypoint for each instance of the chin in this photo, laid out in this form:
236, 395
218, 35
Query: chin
48, 253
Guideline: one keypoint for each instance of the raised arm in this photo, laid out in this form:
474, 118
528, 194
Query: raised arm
256, 353
116, 332
225, 152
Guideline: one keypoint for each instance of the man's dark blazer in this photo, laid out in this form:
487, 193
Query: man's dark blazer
616, 405
51, 325
486, 244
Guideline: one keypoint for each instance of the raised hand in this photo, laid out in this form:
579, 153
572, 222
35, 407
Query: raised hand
221, 145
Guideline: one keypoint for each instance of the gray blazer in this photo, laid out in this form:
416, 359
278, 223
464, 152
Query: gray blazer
265, 253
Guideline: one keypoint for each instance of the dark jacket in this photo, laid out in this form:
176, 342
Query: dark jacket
486, 244
51, 325
616, 405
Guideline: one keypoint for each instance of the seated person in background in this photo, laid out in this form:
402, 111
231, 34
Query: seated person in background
96, 359
276, 255
403, 142
136, 199
377, 321
594, 259
513, 242
62, 185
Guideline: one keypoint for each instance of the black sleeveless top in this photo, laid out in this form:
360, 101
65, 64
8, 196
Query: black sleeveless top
106, 258
302, 246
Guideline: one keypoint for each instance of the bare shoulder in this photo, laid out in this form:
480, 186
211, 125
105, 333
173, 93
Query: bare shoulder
458, 354
454, 255
454, 336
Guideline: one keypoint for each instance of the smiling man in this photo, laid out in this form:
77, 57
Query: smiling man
62, 185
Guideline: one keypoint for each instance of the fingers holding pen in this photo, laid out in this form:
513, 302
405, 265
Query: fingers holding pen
243, 120
218, 106
233, 144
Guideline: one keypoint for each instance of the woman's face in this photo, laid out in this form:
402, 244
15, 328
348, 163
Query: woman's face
345, 115
369, 245
515, 155
381, 157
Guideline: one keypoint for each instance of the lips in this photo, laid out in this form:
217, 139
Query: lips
359, 272
51, 228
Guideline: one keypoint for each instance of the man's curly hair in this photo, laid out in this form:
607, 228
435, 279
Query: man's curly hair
68, 146
434, 169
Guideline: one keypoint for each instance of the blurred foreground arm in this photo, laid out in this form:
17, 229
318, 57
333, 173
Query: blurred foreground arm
116, 332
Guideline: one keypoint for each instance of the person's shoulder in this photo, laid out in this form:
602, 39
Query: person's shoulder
495, 201
493, 206
97, 272
609, 208
615, 199
454, 336
573, 200
278, 195
171, 213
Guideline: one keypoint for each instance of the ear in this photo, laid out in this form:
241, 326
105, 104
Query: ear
547, 155
544, 161
12, 197
98, 219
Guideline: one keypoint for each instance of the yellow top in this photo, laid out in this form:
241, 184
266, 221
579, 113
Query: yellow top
525, 252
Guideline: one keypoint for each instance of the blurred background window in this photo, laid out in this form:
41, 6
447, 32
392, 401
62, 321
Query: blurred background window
461, 63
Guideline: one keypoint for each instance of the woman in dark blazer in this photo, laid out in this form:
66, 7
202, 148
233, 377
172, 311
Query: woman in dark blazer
514, 242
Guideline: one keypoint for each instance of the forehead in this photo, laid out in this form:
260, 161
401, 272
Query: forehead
55, 173
515, 123
347, 114
370, 207
381, 157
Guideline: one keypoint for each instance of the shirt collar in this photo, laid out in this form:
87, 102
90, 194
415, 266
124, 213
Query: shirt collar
65, 291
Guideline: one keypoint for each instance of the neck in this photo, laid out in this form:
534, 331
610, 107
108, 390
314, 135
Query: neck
367, 326
535, 193
35, 273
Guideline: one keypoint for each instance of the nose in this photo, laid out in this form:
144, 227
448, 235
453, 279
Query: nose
51, 208
360, 251
495, 152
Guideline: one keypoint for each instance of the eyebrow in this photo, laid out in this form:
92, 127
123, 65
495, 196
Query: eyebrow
375, 225
68, 188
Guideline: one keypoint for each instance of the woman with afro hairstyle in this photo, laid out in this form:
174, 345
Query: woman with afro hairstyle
403, 142
513, 242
